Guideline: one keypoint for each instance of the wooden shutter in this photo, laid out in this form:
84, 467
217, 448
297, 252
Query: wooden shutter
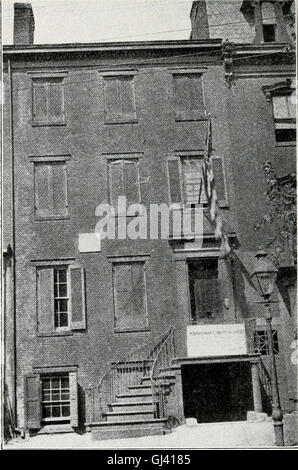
208, 298
225, 276
123, 295
77, 289
43, 193
40, 105
174, 181
59, 188
195, 87
127, 97
32, 401
220, 181
131, 182
112, 98
45, 300
182, 94
73, 391
55, 100
139, 295
116, 181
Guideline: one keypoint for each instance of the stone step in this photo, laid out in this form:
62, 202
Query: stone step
126, 407
134, 397
104, 430
137, 415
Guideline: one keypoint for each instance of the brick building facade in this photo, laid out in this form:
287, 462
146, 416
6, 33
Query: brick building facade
87, 123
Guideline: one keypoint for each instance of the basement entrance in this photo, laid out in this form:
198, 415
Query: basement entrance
217, 392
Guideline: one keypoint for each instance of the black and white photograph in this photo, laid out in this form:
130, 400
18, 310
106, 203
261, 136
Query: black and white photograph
148, 227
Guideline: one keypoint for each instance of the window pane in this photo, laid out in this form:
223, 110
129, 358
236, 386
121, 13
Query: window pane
55, 383
56, 411
62, 275
63, 319
65, 411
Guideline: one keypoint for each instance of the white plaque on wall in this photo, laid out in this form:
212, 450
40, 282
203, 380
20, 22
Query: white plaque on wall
89, 242
216, 340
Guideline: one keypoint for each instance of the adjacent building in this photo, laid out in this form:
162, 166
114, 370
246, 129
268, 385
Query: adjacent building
128, 336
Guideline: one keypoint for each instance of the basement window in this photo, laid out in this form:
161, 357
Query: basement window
55, 399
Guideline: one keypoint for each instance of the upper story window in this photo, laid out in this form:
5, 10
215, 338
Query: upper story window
189, 100
284, 117
119, 99
268, 21
60, 299
50, 189
282, 97
124, 180
186, 185
48, 101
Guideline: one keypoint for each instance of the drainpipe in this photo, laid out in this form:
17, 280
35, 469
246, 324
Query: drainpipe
13, 262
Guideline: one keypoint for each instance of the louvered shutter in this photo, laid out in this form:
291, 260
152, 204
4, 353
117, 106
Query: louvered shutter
55, 100
43, 197
127, 97
45, 300
77, 286
195, 87
112, 98
174, 181
116, 181
220, 182
32, 401
40, 111
73, 391
123, 295
131, 182
182, 93
139, 295
59, 188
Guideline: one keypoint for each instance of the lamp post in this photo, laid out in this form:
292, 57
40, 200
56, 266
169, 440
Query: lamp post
264, 276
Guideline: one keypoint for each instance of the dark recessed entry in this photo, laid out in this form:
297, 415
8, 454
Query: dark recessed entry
217, 392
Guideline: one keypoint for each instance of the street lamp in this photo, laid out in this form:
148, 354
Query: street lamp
264, 276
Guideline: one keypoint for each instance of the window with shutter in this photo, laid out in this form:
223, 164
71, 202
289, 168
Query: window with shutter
60, 299
50, 189
188, 92
124, 181
119, 99
48, 101
130, 304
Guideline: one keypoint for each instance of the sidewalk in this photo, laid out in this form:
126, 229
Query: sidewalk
240, 434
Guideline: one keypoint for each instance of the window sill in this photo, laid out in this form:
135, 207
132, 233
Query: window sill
130, 330
55, 334
285, 144
52, 217
190, 117
121, 121
47, 124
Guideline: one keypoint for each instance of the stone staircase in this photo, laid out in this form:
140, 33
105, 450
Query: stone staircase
136, 409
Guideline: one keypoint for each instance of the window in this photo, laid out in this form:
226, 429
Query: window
119, 98
268, 21
50, 189
55, 398
48, 101
188, 90
60, 299
124, 181
130, 299
284, 117
262, 343
51, 397
186, 185
205, 290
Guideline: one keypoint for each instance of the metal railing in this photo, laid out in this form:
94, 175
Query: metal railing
127, 372
158, 377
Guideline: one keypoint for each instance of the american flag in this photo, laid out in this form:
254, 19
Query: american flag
210, 189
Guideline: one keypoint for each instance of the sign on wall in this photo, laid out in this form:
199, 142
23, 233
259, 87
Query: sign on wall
89, 242
216, 340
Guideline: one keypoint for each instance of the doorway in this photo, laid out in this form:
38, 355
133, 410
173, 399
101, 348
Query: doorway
217, 392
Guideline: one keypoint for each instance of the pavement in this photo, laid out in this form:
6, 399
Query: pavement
240, 434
